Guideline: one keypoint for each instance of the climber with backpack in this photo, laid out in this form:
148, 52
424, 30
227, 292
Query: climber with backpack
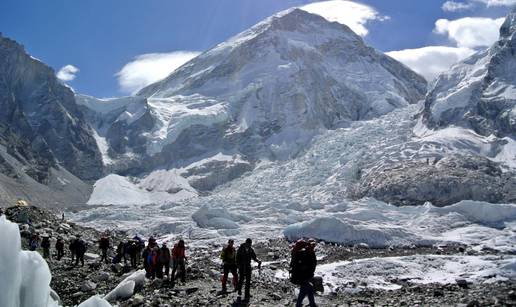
228, 256
179, 262
245, 254
302, 269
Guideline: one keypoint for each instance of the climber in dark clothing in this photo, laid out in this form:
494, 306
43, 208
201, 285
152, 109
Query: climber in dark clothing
132, 250
244, 256
59, 248
228, 257
79, 246
163, 261
104, 247
45, 245
302, 269
71, 247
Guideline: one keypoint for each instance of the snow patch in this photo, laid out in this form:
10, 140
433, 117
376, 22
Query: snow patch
382, 273
117, 190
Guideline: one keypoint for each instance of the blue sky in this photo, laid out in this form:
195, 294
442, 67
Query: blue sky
99, 37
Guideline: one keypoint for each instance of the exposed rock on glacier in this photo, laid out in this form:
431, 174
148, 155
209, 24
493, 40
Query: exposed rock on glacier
442, 182
209, 173
480, 92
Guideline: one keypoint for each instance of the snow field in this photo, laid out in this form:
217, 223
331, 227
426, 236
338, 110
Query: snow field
384, 273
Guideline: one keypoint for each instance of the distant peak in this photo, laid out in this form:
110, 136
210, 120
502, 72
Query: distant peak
509, 26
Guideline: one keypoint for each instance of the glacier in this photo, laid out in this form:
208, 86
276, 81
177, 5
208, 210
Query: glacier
279, 194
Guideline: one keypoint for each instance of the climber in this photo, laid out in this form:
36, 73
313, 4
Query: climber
228, 256
245, 254
163, 261
80, 248
59, 248
34, 242
302, 269
104, 246
178, 259
45, 244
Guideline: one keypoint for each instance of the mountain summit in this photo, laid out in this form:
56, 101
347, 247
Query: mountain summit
268, 90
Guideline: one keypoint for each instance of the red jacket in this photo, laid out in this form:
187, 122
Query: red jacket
178, 253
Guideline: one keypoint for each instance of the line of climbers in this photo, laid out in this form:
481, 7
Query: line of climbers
157, 261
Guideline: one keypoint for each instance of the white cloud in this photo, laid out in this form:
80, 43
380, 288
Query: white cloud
470, 32
453, 6
354, 15
497, 2
148, 68
432, 60
67, 73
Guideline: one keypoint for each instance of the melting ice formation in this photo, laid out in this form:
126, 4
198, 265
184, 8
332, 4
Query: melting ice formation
25, 276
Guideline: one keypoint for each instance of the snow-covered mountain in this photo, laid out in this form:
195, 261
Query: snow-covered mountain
262, 94
465, 144
45, 143
268, 90
480, 92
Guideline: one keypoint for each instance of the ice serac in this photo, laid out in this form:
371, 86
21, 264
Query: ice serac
24, 276
267, 91
36, 108
480, 92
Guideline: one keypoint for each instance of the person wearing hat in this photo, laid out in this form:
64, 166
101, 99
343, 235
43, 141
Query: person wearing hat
245, 254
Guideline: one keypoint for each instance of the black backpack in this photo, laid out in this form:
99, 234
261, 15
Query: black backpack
302, 267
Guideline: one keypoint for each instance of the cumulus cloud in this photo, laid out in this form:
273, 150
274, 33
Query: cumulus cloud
67, 73
453, 6
148, 68
470, 32
354, 15
432, 60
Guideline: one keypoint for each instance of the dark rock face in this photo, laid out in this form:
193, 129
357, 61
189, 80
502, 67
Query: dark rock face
479, 92
41, 112
442, 183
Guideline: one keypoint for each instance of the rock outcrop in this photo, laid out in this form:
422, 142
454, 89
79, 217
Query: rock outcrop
443, 182
41, 113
